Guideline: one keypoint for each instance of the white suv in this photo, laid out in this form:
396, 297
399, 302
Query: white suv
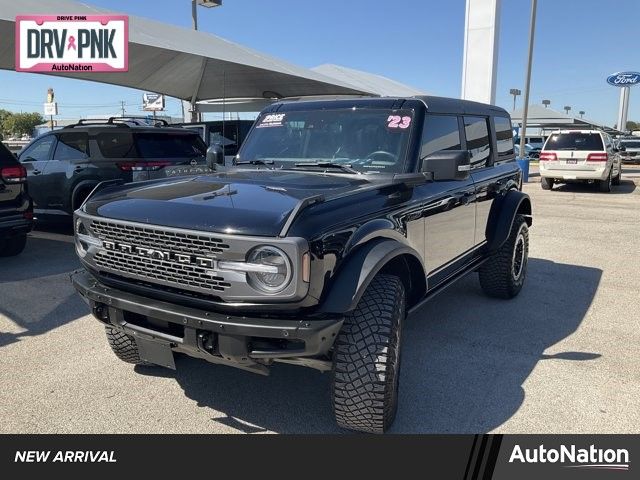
586, 155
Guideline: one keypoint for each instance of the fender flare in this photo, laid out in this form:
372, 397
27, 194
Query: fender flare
503, 212
356, 274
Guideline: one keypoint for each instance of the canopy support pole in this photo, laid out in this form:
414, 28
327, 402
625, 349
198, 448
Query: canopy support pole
195, 117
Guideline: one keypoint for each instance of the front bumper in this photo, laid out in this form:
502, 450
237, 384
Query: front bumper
251, 343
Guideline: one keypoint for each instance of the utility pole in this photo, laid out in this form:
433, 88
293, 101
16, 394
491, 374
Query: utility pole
122, 106
527, 87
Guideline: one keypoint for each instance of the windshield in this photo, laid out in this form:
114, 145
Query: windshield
574, 141
631, 144
367, 140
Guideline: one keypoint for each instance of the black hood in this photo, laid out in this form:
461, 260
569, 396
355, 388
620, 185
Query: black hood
243, 202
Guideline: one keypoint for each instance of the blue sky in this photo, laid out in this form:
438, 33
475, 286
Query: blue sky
418, 42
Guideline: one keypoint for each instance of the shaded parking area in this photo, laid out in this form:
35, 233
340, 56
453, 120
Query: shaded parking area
562, 357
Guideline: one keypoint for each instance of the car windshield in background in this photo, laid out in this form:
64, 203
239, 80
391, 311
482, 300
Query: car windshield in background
366, 140
574, 141
150, 145
632, 144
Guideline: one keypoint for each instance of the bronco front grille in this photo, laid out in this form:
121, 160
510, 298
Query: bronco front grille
160, 270
185, 276
153, 237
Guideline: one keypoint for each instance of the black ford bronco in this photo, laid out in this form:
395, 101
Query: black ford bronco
338, 219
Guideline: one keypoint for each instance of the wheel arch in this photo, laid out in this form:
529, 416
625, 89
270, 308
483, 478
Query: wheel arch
503, 212
376, 256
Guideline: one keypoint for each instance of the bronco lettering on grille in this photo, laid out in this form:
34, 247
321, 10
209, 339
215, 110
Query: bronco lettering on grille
160, 254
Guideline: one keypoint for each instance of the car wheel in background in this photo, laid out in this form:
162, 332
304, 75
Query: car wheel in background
605, 185
617, 180
10, 247
546, 183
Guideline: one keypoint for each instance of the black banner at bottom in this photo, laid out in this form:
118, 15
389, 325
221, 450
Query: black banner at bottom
464, 457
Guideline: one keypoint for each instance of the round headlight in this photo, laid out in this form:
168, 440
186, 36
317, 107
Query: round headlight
272, 269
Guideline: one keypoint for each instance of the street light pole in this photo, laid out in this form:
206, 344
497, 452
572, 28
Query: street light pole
194, 14
567, 108
515, 92
581, 112
527, 87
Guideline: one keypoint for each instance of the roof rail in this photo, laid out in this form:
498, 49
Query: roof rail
121, 121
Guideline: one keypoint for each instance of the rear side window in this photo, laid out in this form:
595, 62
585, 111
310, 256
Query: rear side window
72, 146
172, 145
478, 142
440, 132
574, 141
116, 144
150, 145
504, 136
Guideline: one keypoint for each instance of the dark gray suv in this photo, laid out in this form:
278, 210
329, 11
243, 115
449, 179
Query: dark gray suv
64, 166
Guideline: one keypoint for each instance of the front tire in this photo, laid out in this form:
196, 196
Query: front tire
124, 346
13, 246
366, 358
546, 183
503, 275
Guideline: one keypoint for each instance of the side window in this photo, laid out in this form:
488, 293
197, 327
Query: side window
504, 136
440, 132
117, 145
478, 141
39, 150
72, 146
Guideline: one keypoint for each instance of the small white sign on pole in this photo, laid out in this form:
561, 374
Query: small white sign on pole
51, 108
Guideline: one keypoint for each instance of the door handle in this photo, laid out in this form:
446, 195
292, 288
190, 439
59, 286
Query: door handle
36, 172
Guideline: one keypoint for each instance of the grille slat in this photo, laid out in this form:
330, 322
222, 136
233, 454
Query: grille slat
188, 276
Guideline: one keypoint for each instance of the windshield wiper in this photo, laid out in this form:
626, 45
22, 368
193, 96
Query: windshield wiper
255, 162
338, 166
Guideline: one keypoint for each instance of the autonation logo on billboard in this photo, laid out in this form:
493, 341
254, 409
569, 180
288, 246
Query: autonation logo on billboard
72, 43
574, 457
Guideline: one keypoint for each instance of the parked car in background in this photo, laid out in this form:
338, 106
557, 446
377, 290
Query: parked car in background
580, 155
629, 150
65, 165
16, 208
530, 151
235, 131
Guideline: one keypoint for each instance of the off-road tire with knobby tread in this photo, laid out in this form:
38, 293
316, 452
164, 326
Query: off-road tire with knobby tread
546, 183
366, 358
124, 346
499, 276
10, 247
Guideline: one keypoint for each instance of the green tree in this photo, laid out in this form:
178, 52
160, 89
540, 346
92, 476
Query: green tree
4, 114
633, 125
22, 123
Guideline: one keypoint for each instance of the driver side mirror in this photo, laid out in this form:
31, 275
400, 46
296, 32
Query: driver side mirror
215, 156
448, 165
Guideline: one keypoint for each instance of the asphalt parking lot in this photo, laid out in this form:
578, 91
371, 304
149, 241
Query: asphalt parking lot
562, 357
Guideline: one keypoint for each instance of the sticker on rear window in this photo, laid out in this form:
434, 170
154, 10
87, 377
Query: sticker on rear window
397, 122
272, 120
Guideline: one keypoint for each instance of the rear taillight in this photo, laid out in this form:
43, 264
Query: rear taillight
17, 174
141, 166
28, 215
548, 157
597, 157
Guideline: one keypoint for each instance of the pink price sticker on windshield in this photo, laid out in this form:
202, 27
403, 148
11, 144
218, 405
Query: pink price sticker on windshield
72, 43
398, 122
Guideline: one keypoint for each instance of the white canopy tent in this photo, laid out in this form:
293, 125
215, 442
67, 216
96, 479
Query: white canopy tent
186, 64
547, 119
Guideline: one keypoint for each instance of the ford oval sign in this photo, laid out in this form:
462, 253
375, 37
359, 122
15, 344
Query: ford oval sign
624, 79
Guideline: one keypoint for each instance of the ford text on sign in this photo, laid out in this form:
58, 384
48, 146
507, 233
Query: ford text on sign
624, 79
72, 43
